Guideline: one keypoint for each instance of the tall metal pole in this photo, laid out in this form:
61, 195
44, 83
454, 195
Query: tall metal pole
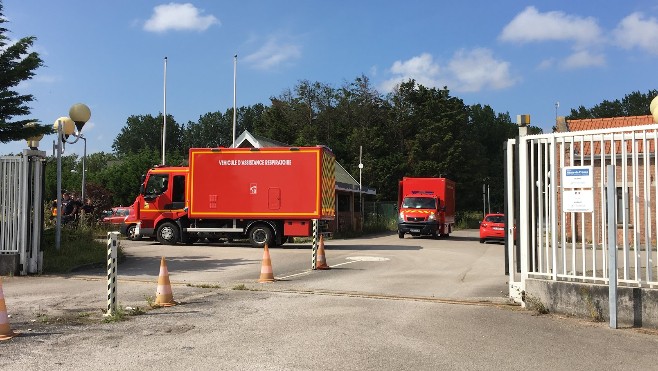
84, 169
235, 76
360, 189
58, 225
164, 114
484, 200
488, 199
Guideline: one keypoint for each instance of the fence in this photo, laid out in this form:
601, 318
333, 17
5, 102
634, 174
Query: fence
561, 224
21, 208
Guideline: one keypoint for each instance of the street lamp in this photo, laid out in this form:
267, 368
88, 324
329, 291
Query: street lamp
79, 114
33, 142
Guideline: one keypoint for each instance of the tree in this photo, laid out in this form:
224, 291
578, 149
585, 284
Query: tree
633, 104
16, 65
145, 132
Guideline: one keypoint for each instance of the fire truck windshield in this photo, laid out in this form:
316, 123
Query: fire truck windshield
156, 184
419, 203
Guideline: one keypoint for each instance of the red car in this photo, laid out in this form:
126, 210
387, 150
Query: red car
492, 227
116, 215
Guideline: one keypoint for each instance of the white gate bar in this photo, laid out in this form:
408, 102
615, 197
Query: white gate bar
554, 212
523, 207
646, 187
624, 197
655, 182
593, 214
636, 209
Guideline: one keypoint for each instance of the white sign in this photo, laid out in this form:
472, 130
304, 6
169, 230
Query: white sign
577, 177
578, 201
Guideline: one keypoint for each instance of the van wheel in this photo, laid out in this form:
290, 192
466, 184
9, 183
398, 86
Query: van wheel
168, 233
261, 235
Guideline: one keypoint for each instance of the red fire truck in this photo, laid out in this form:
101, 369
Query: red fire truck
265, 195
426, 206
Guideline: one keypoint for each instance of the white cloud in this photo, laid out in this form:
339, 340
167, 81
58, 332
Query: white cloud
467, 71
533, 26
546, 64
422, 68
178, 17
274, 53
477, 69
636, 31
583, 58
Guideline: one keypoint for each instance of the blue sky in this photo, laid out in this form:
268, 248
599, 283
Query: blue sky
518, 57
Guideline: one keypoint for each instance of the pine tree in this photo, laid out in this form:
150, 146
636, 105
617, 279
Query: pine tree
17, 64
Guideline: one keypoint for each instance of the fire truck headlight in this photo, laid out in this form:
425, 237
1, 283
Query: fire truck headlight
401, 216
432, 216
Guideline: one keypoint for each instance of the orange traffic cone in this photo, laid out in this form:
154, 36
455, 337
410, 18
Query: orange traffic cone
321, 262
5, 332
266, 274
164, 296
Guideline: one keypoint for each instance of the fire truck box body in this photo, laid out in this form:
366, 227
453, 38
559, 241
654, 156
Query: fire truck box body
426, 206
265, 195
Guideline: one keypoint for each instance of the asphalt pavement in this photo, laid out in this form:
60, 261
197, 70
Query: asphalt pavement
386, 304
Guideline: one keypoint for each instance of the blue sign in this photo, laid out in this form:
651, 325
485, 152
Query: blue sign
577, 172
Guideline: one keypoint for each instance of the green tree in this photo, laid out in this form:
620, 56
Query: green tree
17, 64
633, 104
145, 132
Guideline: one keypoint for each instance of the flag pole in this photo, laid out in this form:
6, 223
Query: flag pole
164, 114
235, 74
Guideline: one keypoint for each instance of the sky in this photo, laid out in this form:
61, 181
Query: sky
541, 58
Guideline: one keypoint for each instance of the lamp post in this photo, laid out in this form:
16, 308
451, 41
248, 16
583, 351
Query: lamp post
84, 170
79, 114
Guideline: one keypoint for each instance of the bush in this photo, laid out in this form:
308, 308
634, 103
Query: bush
468, 219
79, 247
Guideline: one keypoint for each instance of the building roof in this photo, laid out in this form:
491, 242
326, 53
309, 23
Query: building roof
607, 123
248, 140
344, 181
610, 122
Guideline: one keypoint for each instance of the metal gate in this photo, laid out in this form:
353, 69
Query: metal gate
21, 208
557, 241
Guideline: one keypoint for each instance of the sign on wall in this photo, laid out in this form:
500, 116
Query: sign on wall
578, 200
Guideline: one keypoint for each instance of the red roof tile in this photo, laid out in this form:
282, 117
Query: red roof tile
612, 122
606, 123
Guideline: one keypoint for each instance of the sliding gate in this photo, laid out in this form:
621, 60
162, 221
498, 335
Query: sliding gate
556, 206
21, 208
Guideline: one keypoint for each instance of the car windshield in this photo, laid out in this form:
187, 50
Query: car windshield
495, 219
419, 203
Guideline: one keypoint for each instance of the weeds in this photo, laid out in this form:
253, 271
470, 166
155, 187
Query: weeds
533, 303
204, 286
150, 300
240, 287
118, 315
595, 311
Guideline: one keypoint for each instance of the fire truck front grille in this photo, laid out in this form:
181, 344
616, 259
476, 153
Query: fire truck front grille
414, 219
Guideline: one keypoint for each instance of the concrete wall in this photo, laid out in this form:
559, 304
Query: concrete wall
9, 264
636, 307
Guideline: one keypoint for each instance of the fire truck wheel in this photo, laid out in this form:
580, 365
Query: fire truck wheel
168, 233
261, 235
400, 234
130, 233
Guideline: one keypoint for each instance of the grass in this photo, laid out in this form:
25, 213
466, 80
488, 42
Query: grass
79, 247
